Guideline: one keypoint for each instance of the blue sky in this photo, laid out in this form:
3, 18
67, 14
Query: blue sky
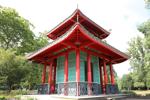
121, 16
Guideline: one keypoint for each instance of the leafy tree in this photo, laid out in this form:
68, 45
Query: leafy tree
137, 61
33, 77
127, 82
14, 30
16, 37
12, 68
36, 44
139, 49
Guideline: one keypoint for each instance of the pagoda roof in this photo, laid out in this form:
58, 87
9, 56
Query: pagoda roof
78, 16
86, 41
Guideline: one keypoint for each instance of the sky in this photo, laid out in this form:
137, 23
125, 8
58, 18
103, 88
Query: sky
121, 16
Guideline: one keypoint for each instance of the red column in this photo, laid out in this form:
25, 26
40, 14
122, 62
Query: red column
105, 76
66, 74
66, 69
54, 76
44, 74
55, 64
50, 75
78, 70
101, 74
112, 74
89, 73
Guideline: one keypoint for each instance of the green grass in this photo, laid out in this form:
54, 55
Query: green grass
142, 92
12, 94
137, 92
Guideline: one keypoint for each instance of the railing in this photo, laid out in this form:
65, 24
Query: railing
71, 88
81, 88
43, 89
112, 89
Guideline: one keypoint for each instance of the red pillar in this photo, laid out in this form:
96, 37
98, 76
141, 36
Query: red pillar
66, 74
89, 73
112, 74
54, 76
66, 69
101, 74
78, 70
55, 64
50, 75
44, 74
105, 76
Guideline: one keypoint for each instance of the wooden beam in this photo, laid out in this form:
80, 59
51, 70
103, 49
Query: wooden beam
60, 54
95, 54
69, 44
85, 44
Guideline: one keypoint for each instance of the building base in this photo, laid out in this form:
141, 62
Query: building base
61, 97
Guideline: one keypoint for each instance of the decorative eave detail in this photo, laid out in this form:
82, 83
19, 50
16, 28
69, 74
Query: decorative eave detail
53, 43
78, 16
120, 56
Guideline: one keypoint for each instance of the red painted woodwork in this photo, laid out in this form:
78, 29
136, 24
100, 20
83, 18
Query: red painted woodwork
89, 73
82, 19
101, 75
105, 76
66, 68
78, 70
54, 75
44, 74
112, 74
50, 75
106, 51
89, 68
66, 73
77, 65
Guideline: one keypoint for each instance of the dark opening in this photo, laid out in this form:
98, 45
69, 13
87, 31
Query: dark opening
92, 71
85, 71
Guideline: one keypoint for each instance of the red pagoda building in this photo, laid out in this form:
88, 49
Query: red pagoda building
78, 61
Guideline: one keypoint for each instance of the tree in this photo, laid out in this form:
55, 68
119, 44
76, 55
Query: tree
15, 31
137, 61
12, 68
33, 77
17, 39
127, 82
139, 49
36, 44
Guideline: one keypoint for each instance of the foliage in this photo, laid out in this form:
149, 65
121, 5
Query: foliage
17, 39
33, 78
3, 98
139, 49
14, 30
127, 82
12, 68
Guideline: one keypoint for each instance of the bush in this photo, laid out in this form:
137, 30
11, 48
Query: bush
2, 98
19, 92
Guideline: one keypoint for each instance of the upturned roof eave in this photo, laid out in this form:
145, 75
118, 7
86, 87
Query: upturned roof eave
98, 41
67, 34
77, 11
54, 42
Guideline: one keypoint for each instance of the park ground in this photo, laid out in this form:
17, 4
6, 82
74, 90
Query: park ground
132, 95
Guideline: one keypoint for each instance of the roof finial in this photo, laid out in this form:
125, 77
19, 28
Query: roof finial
77, 5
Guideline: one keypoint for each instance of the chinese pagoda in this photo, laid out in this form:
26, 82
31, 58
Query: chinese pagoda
77, 61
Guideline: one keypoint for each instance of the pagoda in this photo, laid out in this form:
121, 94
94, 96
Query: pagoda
78, 62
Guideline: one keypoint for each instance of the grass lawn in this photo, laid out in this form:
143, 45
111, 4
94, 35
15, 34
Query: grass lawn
12, 94
141, 92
